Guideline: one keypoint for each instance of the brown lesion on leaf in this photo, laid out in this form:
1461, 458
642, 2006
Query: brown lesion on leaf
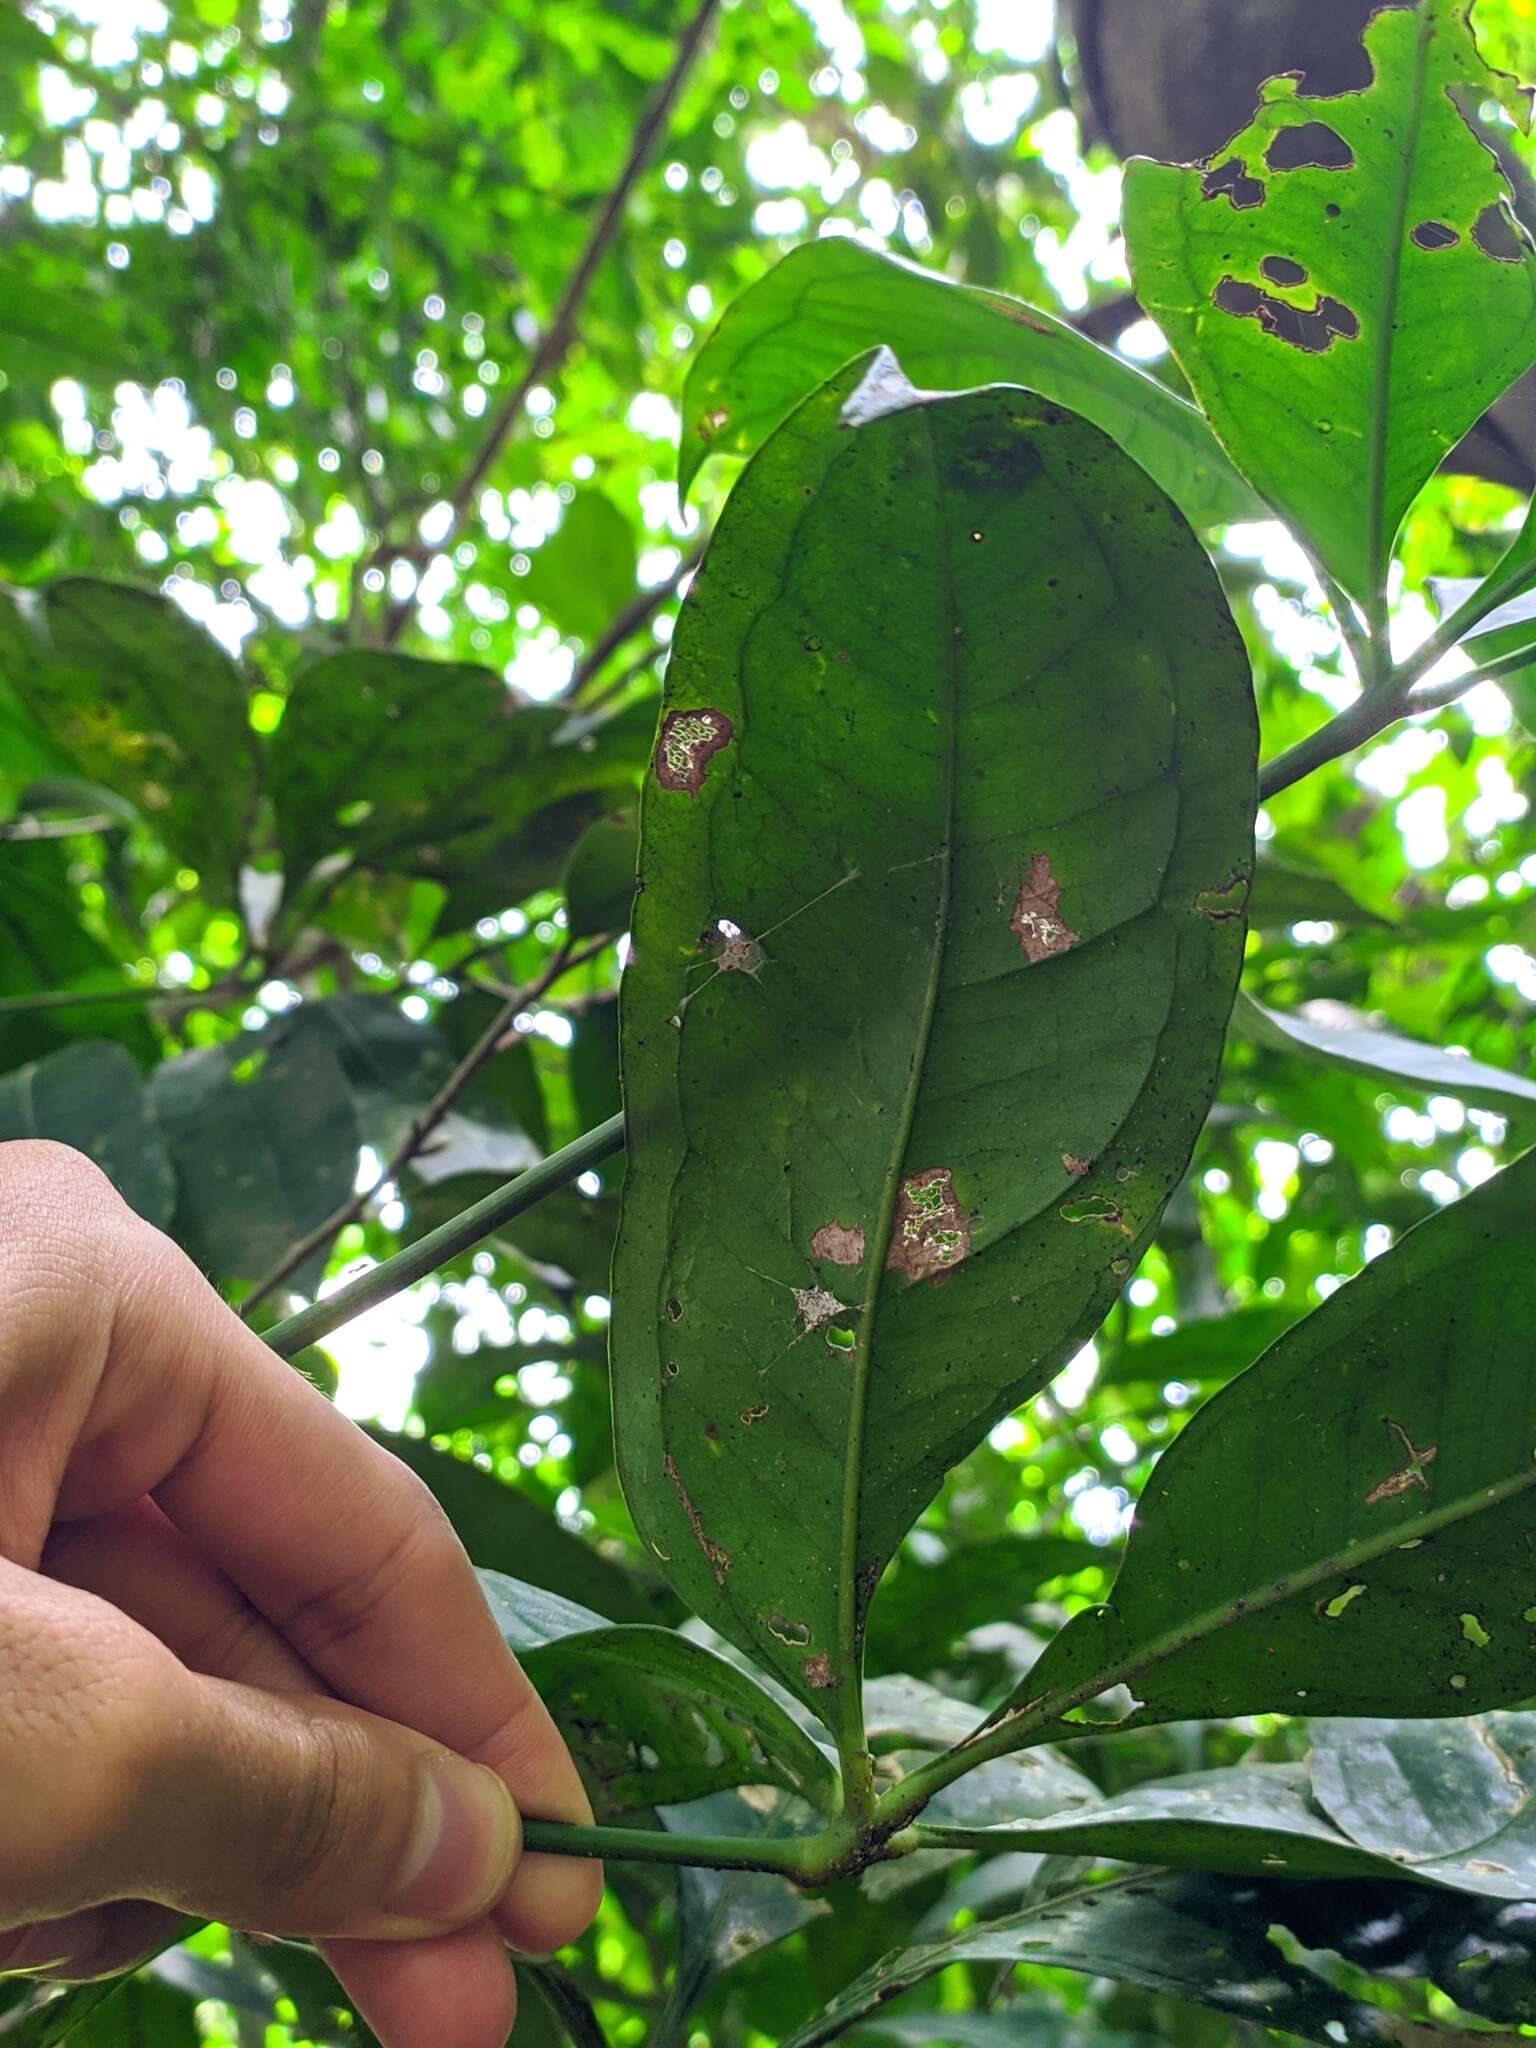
711, 422
732, 949
1076, 1165
719, 1557
840, 1244
1036, 922
1224, 901
929, 1235
816, 1308
688, 742
1312, 329
1410, 1473
818, 1671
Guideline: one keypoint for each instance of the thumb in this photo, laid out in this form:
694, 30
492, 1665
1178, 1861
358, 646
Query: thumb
295, 1814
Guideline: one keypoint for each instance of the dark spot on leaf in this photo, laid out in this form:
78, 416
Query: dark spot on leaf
688, 743
1435, 234
674, 1310
1311, 146
719, 1557
1409, 1473
1035, 922
840, 1243
1331, 211
818, 1670
1494, 234
929, 1235
1230, 179
1282, 270
1314, 333
1226, 901
1095, 1209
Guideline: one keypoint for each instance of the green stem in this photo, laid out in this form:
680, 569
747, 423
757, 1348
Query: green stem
448, 1240
788, 1858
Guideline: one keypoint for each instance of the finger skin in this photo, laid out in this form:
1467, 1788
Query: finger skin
126, 1375
456, 1988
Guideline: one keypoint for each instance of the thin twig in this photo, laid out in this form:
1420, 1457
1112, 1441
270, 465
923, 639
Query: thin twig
57, 828
425, 1122
556, 339
73, 998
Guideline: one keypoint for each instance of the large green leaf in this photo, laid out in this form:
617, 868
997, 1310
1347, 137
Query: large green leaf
384, 756
923, 1609
149, 705
584, 574
89, 1095
831, 300
45, 950
1191, 1938
264, 1141
1330, 1034
985, 838
1386, 1570
1346, 288
652, 1716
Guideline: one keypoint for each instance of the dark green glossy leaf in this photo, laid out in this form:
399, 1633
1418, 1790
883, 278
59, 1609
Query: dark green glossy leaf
924, 1609
1284, 894
149, 705
1207, 1351
1331, 1034
264, 1142
90, 1096
501, 1527
1384, 1571
1192, 1938
903, 1715
652, 1716
864, 1128
384, 757
831, 300
600, 875
1343, 322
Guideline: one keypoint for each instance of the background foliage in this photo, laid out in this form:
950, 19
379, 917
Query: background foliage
340, 551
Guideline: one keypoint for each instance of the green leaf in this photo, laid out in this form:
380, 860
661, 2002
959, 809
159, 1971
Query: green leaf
1184, 1937
264, 1141
924, 1609
44, 948
1346, 288
1384, 1571
1023, 2023
149, 705
90, 1096
388, 758
584, 574
45, 333
1208, 1350
831, 300
600, 875
987, 934
1284, 894
1332, 1035
653, 1717
501, 1527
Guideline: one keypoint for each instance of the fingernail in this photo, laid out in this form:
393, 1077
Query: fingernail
464, 1846
50, 1945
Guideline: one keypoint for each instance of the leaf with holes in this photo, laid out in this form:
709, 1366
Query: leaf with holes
1206, 1940
651, 1716
1385, 1571
1345, 287
944, 855
829, 301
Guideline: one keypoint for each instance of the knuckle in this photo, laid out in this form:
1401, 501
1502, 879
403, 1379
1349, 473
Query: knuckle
422, 1549
327, 1823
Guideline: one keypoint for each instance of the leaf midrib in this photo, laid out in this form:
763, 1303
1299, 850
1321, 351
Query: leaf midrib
879, 1248
1377, 540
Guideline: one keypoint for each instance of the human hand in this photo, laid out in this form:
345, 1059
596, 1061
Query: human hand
243, 1658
